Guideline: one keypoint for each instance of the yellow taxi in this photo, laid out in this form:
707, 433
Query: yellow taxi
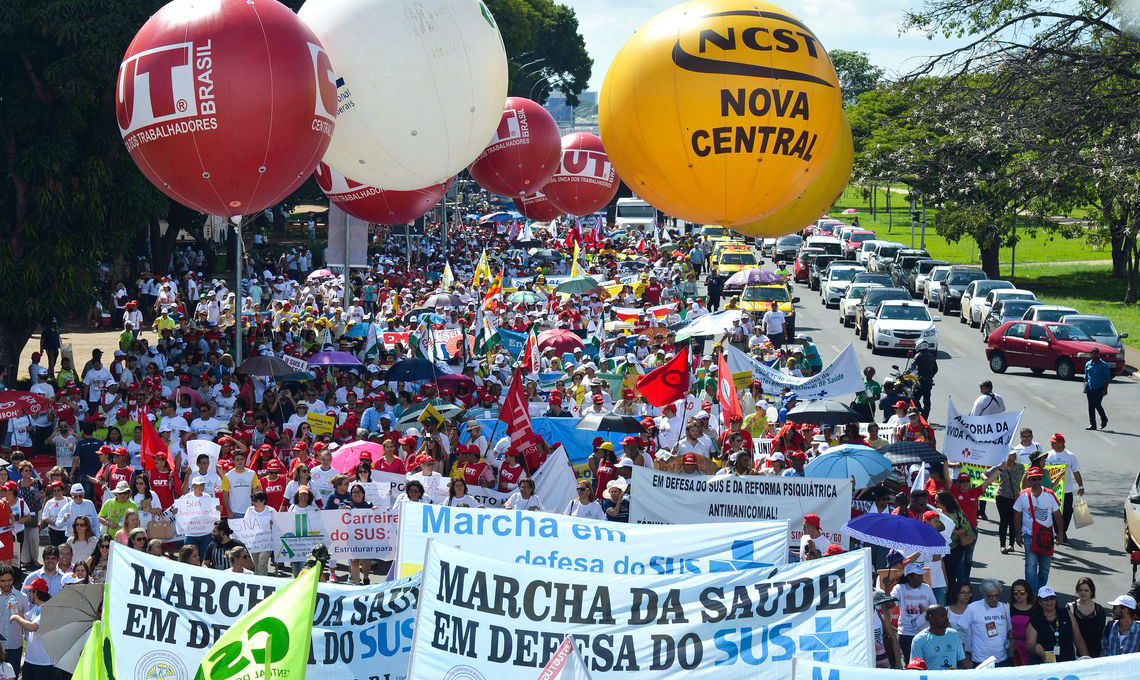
732, 260
759, 299
711, 232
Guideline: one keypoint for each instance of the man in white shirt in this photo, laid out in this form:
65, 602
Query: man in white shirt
774, 322
1036, 503
988, 402
987, 626
1025, 447
238, 486
204, 426
1062, 456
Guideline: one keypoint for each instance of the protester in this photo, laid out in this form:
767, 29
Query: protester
1037, 516
987, 623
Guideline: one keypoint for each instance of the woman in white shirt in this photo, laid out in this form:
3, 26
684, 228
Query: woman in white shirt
263, 514
413, 493
147, 501
524, 498
83, 541
584, 505
457, 495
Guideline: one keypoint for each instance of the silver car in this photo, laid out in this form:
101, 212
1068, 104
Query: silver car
850, 299
931, 287
1099, 327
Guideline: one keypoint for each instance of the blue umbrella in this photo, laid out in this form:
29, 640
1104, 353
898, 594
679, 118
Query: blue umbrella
357, 330
865, 464
416, 370
897, 532
333, 359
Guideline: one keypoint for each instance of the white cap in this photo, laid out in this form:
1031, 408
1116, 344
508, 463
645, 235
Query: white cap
777, 456
1124, 601
1046, 591
625, 463
76, 488
618, 483
913, 568
198, 481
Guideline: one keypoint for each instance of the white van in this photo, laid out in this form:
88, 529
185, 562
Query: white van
634, 214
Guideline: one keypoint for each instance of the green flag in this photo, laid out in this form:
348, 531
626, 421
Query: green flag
272, 640
486, 335
91, 666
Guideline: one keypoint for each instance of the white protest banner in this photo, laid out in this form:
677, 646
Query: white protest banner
164, 615
840, 377
296, 363
256, 534
1121, 667
196, 514
983, 440
196, 447
480, 617
348, 534
672, 498
576, 544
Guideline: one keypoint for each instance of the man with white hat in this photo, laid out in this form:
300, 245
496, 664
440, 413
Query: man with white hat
1122, 636
914, 597
78, 506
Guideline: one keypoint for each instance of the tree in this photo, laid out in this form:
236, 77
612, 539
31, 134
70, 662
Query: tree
545, 50
856, 74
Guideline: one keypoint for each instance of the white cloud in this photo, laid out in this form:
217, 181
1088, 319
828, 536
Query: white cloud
870, 26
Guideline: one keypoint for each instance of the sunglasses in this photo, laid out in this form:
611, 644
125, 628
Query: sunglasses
1020, 592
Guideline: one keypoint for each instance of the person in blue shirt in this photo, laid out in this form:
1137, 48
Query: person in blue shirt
939, 645
1098, 373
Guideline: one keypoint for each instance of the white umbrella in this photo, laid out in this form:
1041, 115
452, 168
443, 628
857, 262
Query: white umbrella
710, 324
65, 622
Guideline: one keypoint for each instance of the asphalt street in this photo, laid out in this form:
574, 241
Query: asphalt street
1108, 458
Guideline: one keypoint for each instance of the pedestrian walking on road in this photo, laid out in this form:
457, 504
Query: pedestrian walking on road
988, 402
1098, 373
926, 367
1037, 518
1060, 455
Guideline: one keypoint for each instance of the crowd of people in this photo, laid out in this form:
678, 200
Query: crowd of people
84, 475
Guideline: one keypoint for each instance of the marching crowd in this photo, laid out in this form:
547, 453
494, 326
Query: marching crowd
109, 461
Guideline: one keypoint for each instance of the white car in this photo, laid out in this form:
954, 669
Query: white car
994, 296
975, 296
865, 250
902, 324
931, 287
850, 298
838, 278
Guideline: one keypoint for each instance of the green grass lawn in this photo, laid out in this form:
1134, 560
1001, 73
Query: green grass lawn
1034, 244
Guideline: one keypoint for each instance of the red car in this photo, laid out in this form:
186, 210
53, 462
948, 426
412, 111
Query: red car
855, 238
802, 270
1046, 346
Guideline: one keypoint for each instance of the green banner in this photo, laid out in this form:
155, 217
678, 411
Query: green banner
1055, 480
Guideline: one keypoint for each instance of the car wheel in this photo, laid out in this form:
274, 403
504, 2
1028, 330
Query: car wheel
870, 345
1037, 371
973, 324
961, 316
998, 363
874, 350
1065, 369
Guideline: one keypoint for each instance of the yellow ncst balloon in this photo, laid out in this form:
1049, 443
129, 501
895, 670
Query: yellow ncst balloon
720, 111
816, 199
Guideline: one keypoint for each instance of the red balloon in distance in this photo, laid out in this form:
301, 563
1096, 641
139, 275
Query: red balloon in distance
226, 106
585, 180
381, 206
524, 153
537, 207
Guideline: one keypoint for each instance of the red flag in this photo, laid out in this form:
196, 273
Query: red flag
668, 382
726, 393
516, 415
152, 444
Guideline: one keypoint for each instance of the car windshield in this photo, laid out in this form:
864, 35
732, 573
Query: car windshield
1066, 332
907, 262
887, 252
1015, 296
1015, 309
738, 258
1051, 314
924, 266
765, 294
790, 241
856, 291
843, 274
986, 287
904, 313
859, 238
868, 245
641, 211
939, 274
1100, 327
874, 297
871, 277
962, 278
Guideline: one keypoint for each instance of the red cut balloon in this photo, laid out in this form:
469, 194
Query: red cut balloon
585, 180
226, 105
537, 207
524, 153
382, 206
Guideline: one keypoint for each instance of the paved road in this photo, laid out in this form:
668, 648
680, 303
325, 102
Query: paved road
1109, 458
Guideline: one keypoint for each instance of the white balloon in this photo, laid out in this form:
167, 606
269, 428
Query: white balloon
420, 86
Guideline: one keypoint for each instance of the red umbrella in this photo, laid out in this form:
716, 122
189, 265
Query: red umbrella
462, 384
560, 339
348, 456
15, 404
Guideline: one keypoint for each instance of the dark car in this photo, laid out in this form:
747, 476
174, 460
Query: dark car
903, 261
952, 287
786, 247
803, 263
916, 277
873, 277
1046, 346
868, 307
818, 264
1005, 310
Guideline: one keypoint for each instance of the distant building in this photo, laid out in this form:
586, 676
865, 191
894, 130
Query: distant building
562, 112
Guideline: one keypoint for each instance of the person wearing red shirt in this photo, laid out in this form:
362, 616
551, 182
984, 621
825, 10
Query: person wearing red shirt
535, 458
165, 482
273, 483
653, 292
967, 497
300, 457
259, 457
734, 423
390, 462
120, 471
410, 445
916, 429
475, 471
607, 469
510, 472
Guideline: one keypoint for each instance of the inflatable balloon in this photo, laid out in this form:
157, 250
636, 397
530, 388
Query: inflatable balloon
537, 207
720, 111
523, 153
420, 86
815, 200
585, 180
381, 206
226, 106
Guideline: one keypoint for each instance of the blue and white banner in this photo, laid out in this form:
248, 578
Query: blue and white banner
485, 618
164, 615
673, 498
600, 547
981, 440
838, 379
1106, 668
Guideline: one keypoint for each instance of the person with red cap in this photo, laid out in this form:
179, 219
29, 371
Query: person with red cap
735, 425
510, 471
813, 535
38, 664
555, 409
1060, 455
1037, 525
273, 483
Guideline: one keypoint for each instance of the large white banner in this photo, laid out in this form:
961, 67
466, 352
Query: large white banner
839, 378
348, 534
982, 440
164, 615
1106, 668
485, 618
672, 498
576, 544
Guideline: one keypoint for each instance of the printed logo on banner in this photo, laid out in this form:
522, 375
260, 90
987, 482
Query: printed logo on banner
824, 640
160, 665
463, 673
743, 557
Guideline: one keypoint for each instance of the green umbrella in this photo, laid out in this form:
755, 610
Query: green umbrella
525, 297
578, 284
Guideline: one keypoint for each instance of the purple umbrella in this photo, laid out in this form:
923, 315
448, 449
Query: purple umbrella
752, 277
899, 533
333, 359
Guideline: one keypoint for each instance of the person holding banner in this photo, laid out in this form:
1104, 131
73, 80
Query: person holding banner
988, 623
524, 498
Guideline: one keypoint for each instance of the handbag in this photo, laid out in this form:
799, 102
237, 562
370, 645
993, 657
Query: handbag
160, 529
1041, 539
1081, 515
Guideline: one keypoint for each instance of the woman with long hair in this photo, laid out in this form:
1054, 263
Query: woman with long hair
1022, 605
78, 574
359, 569
97, 563
83, 540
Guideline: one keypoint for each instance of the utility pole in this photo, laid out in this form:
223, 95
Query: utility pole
923, 224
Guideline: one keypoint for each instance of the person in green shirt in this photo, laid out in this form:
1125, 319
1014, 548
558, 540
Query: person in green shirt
66, 373
112, 512
127, 338
865, 401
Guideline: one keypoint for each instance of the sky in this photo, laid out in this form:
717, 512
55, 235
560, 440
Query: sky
870, 26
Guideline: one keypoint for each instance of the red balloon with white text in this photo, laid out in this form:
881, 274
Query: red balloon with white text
382, 206
226, 106
524, 153
535, 206
585, 180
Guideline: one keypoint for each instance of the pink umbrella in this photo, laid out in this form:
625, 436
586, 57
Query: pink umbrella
561, 340
348, 456
851, 211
